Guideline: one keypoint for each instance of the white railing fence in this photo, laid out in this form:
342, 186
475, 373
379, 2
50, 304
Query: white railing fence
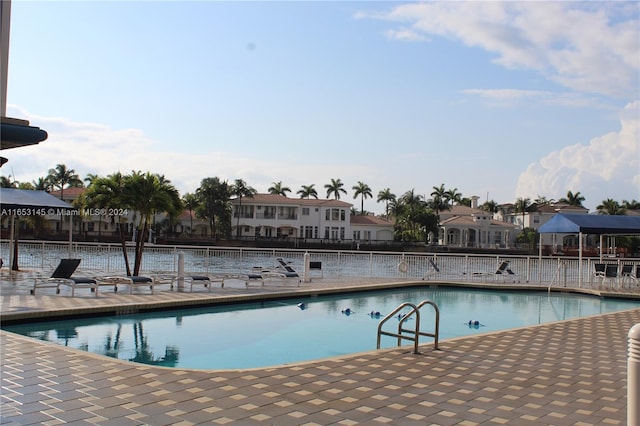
108, 258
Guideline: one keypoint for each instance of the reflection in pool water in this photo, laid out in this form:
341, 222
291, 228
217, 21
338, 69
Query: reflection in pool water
272, 333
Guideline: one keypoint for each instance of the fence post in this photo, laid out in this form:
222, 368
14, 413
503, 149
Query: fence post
307, 259
633, 376
180, 271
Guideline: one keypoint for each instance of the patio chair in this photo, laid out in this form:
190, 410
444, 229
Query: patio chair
204, 280
315, 266
62, 275
287, 269
432, 270
502, 270
283, 271
132, 281
605, 272
611, 273
626, 273
599, 271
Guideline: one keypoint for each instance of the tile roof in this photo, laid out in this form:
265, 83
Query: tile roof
69, 193
369, 220
468, 221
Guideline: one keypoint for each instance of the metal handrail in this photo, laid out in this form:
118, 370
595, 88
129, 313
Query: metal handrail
416, 333
399, 334
436, 332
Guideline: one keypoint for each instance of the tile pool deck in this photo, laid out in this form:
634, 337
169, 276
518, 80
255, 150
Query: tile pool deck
564, 373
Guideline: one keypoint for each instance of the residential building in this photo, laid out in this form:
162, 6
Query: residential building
470, 227
277, 216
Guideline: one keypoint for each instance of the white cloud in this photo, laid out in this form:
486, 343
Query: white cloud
608, 167
584, 46
98, 149
405, 35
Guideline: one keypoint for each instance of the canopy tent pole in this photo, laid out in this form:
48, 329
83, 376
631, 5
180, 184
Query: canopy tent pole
70, 234
580, 260
539, 258
11, 236
601, 245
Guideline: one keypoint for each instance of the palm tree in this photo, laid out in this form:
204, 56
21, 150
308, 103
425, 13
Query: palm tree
489, 206
240, 189
190, 202
335, 188
543, 201
631, 205
109, 192
362, 190
414, 219
438, 200
42, 184
439, 192
213, 196
278, 189
452, 196
387, 196
524, 205
61, 177
611, 207
308, 191
6, 182
573, 199
147, 194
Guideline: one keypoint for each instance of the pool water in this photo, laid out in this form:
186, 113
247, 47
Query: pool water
274, 333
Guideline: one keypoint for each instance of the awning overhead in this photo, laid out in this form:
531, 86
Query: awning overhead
18, 133
592, 224
23, 198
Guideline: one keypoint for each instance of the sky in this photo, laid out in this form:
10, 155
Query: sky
500, 100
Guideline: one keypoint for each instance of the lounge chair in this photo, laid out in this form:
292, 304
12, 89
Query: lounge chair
315, 266
248, 277
626, 273
287, 269
192, 280
208, 280
282, 271
432, 270
599, 272
502, 270
131, 281
62, 275
611, 273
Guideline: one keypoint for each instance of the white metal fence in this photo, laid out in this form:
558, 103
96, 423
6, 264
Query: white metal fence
108, 258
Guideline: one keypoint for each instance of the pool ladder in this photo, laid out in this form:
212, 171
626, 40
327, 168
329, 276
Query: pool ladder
415, 333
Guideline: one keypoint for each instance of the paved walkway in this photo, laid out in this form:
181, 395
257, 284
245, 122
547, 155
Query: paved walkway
563, 373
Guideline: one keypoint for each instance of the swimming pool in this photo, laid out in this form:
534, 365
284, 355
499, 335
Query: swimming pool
274, 333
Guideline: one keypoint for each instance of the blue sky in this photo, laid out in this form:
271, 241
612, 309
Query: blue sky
505, 100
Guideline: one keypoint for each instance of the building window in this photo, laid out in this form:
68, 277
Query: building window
305, 211
356, 235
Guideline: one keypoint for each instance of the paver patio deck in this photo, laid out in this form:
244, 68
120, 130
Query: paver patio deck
563, 373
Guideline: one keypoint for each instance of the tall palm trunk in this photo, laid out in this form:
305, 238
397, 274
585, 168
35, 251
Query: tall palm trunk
123, 242
140, 239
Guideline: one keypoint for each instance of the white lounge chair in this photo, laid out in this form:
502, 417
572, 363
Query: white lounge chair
62, 275
502, 271
433, 270
131, 281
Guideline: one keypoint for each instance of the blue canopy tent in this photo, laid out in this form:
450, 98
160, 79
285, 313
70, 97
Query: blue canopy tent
589, 224
23, 202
